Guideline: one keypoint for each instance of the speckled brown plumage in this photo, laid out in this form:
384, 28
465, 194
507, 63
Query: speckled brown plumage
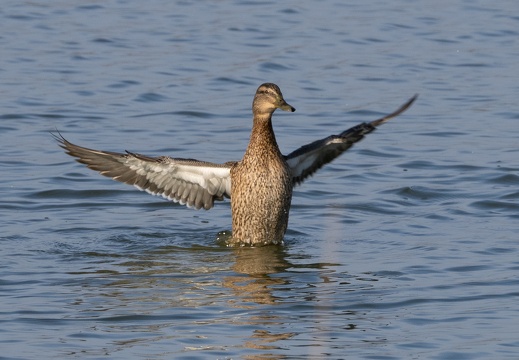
262, 180
260, 185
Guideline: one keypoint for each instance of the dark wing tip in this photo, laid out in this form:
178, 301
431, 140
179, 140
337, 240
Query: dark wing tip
62, 142
395, 113
58, 137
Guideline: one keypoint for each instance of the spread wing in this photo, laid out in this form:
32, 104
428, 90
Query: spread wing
191, 182
311, 157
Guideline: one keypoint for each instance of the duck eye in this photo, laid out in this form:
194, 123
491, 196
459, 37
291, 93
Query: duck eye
267, 92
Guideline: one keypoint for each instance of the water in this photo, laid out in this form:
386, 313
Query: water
406, 247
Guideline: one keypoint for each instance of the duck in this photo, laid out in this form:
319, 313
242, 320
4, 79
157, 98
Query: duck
259, 186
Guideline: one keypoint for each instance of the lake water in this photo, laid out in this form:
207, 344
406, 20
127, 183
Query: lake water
406, 247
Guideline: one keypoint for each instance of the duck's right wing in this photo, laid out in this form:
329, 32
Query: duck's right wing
311, 157
191, 182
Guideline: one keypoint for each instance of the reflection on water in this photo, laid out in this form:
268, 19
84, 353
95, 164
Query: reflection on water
258, 263
241, 284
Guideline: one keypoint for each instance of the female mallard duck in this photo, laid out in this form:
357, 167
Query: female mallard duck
259, 186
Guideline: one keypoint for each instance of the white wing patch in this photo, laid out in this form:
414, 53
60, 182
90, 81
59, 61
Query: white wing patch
191, 182
195, 184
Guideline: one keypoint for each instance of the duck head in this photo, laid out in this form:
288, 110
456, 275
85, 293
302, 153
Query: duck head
268, 98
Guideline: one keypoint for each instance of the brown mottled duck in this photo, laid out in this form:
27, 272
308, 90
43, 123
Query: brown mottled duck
259, 186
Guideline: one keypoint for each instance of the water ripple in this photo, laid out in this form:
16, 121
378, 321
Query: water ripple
404, 247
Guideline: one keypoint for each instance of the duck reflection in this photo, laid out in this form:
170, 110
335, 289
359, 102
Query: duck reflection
189, 281
255, 287
258, 263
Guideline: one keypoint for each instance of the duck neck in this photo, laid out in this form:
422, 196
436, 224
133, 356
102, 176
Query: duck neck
262, 136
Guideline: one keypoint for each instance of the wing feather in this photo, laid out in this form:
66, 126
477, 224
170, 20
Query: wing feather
311, 157
191, 182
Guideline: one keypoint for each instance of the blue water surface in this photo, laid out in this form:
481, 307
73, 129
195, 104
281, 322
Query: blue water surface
406, 247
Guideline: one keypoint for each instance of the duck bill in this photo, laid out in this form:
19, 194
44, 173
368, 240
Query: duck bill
286, 107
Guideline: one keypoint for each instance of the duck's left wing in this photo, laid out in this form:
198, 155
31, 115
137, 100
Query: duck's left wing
191, 182
311, 157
